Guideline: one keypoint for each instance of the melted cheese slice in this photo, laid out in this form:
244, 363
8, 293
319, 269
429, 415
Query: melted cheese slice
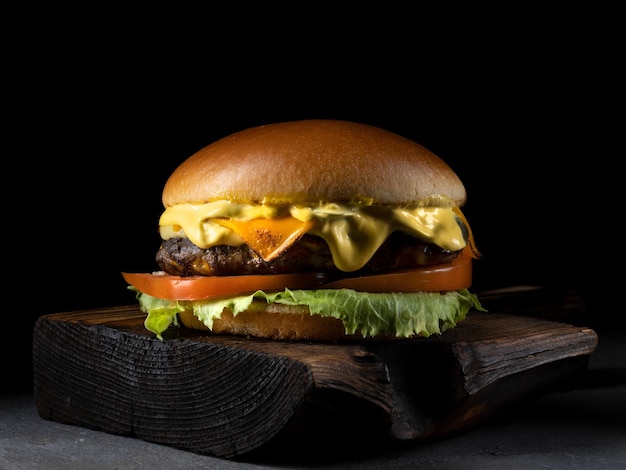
268, 237
353, 232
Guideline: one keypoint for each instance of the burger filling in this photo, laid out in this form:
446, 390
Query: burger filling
225, 238
180, 257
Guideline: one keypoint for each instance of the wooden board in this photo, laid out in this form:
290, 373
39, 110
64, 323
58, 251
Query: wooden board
230, 396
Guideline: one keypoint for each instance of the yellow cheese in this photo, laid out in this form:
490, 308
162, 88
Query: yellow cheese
353, 231
268, 237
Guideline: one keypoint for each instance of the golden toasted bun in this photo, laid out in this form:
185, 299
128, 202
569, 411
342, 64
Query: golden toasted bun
278, 322
312, 161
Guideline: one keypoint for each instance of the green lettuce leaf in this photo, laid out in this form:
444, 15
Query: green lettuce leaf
398, 314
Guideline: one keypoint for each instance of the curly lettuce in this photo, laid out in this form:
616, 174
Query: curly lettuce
372, 314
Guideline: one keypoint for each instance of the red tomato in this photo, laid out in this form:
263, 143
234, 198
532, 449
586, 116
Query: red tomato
431, 279
166, 286
451, 276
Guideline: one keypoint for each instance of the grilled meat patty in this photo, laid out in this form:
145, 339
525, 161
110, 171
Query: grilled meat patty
180, 257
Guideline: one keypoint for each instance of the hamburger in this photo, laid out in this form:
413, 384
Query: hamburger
319, 230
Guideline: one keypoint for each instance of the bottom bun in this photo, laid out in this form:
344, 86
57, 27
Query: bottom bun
275, 321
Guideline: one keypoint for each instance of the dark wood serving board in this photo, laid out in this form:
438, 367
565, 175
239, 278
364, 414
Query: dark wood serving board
229, 396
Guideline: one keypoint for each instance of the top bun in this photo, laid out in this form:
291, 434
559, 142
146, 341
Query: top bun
313, 161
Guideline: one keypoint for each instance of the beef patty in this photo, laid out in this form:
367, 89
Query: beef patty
180, 257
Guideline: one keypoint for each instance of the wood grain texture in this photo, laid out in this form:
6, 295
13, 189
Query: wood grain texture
228, 396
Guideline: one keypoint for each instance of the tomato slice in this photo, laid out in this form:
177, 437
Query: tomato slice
455, 275
437, 278
451, 276
166, 286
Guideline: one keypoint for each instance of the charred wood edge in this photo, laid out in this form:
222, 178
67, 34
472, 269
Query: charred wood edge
472, 371
198, 396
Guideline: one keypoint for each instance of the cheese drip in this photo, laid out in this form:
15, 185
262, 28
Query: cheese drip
353, 232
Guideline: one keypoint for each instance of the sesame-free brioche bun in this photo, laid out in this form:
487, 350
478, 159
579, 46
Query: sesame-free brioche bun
312, 161
274, 321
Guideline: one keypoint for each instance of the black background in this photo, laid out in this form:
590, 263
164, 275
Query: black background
98, 117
